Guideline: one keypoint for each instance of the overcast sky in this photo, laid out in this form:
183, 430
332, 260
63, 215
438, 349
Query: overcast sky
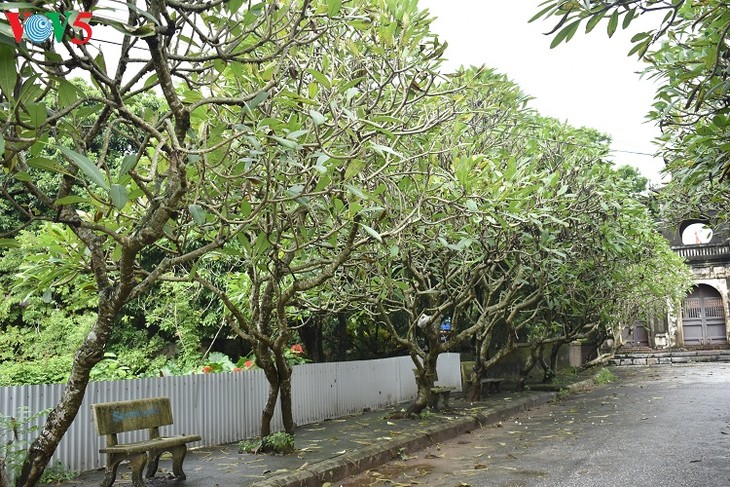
588, 82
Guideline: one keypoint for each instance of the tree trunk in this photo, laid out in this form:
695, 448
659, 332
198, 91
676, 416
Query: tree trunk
311, 335
61, 417
529, 365
268, 412
423, 398
475, 389
554, 354
425, 376
278, 374
3, 473
287, 416
263, 359
341, 339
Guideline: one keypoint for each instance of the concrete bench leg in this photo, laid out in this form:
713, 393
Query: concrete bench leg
178, 456
447, 395
434, 401
153, 461
136, 462
435, 396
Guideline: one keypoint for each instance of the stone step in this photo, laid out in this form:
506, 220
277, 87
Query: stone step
671, 357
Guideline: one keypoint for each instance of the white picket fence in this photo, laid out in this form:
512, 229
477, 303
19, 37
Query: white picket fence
226, 407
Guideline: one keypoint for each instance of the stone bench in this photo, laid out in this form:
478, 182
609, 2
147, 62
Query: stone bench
437, 393
492, 383
112, 418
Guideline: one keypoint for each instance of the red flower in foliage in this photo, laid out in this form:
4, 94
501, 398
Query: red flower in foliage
296, 348
248, 364
207, 369
237, 369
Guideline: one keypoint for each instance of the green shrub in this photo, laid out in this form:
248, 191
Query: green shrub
110, 368
53, 370
12, 445
56, 473
280, 442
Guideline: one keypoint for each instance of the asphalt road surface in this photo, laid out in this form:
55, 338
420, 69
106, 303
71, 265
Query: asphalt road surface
662, 426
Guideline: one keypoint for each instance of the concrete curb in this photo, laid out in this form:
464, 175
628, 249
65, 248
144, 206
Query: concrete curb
362, 459
582, 386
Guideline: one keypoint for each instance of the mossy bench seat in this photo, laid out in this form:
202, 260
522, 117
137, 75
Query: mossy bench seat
439, 392
112, 418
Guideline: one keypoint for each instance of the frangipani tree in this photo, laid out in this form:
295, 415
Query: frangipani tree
195, 173
327, 154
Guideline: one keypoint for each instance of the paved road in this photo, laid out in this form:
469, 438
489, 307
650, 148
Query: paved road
666, 426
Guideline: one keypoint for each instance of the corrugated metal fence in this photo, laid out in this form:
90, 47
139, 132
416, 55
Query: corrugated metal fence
226, 407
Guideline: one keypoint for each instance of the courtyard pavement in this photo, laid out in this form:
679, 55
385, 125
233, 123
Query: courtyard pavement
335, 449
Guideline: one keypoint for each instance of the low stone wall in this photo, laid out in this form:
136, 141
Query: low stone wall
672, 357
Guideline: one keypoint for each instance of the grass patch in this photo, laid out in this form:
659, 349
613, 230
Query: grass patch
605, 376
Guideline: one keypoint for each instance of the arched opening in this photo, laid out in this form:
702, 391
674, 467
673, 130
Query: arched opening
703, 317
696, 233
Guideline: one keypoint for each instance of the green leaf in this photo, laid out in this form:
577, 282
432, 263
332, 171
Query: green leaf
67, 93
286, 142
151, 81
9, 243
100, 62
317, 117
640, 36
373, 233
127, 164
257, 99
197, 213
23, 176
628, 18
593, 22
234, 5
37, 113
356, 191
45, 164
47, 296
8, 74
320, 77
566, 33
16, 6
384, 148
86, 166
333, 7
612, 23
70, 200
2, 146
353, 168
118, 195
245, 209
640, 47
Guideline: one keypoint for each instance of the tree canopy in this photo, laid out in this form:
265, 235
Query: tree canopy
246, 166
687, 54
